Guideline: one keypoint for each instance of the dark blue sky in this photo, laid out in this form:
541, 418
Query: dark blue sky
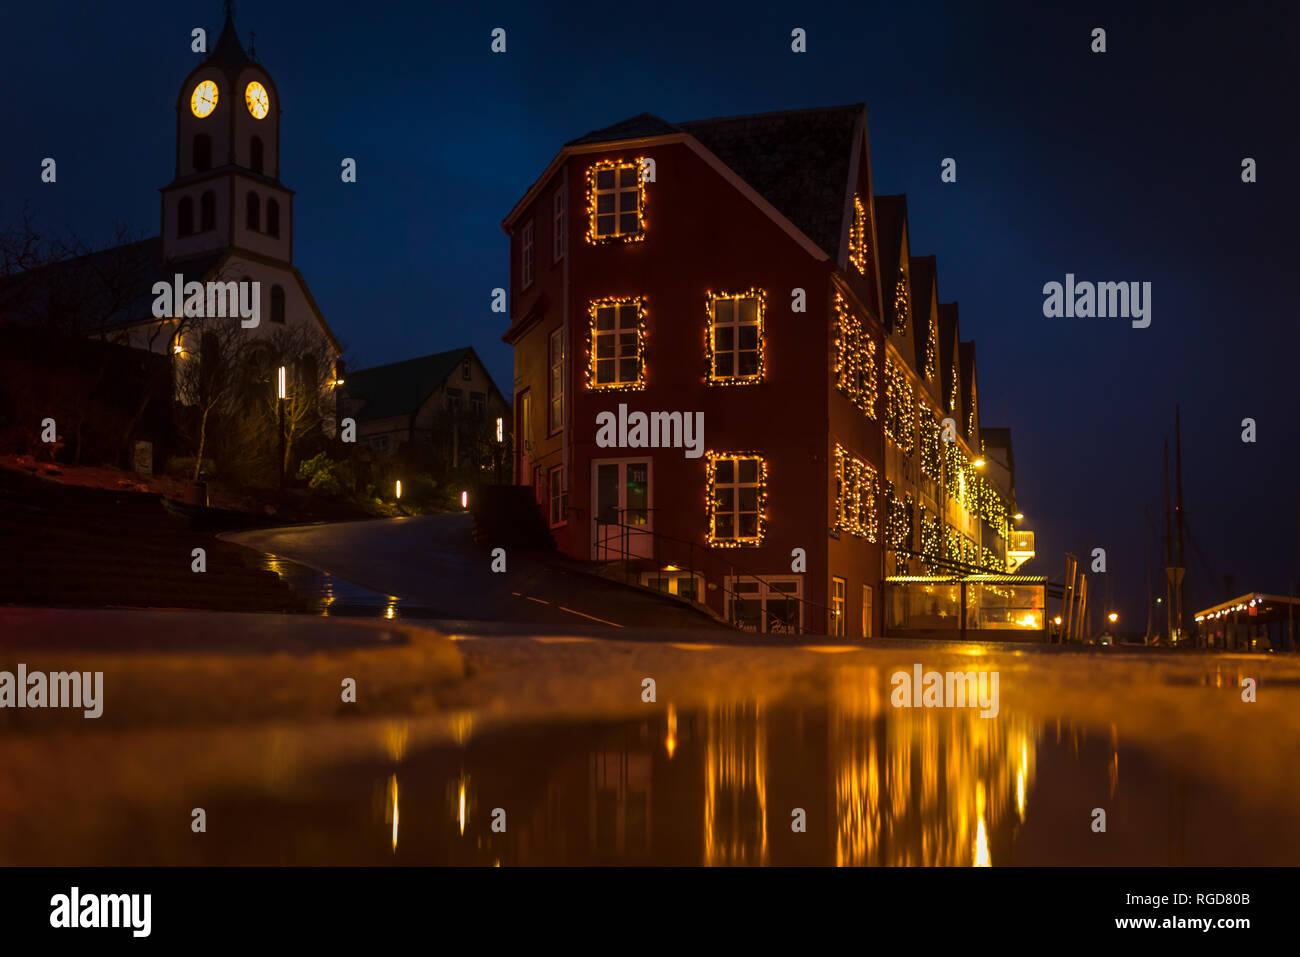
1122, 166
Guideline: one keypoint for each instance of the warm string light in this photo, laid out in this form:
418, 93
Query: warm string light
617, 166
970, 414
858, 247
931, 460
929, 540
899, 517
710, 498
615, 302
736, 379
900, 302
900, 408
855, 495
855, 359
932, 351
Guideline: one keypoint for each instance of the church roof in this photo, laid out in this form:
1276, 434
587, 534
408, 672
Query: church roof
229, 55
400, 388
97, 291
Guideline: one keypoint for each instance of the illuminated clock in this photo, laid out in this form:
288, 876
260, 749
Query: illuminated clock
258, 102
204, 99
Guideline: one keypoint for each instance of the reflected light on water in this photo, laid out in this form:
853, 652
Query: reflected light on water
735, 785
391, 805
670, 742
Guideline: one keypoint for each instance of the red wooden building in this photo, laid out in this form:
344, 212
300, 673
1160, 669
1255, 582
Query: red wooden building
742, 269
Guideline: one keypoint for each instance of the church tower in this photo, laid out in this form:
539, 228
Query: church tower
227, 193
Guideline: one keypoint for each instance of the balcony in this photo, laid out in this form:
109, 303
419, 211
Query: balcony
1020, 548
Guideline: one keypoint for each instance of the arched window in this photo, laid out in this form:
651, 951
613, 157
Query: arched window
253, 212
207, 211
272, 218
277, 303
255, 154
202, 155
185, 217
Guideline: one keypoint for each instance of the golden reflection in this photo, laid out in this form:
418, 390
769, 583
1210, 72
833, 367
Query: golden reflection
670, 743
460, 802
922, 786
390, 804
395, 738
735, 785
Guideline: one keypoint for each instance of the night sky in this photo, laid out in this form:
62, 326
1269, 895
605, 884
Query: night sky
1121, 166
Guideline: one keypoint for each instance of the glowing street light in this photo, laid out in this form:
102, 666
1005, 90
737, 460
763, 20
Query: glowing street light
1019, 516
464, 499
1113, 617
399, 488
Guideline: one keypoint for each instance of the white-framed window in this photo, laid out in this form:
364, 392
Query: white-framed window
766, 604
839, 593
867, 609
556, 359
617, 330
735, 340
558, 496
560, 225
526, 255
737, 494
616, 196
675, 582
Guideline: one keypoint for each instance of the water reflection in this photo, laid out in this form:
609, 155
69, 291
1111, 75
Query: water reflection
716, 785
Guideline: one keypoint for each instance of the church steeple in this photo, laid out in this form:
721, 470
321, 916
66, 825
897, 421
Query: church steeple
228, 55
227, 191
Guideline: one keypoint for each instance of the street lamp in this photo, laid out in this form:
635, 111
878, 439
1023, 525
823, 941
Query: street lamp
282, 393
399, 488
1113, 617
1019, 516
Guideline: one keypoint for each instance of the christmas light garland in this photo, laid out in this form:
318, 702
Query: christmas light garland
710, 498
615, 302
900, 408
855, 359
855, 495
900, 302
711, 300
931, 460
617, 166
858, 247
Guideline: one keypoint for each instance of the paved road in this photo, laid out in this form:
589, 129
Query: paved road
431, 563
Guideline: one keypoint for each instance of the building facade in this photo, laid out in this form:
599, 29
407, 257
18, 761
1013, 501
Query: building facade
741, 275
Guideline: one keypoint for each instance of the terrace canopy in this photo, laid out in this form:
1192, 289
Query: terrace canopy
967, 607
1251, 622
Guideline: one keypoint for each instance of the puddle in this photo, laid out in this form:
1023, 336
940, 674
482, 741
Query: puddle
335, 597
715, 786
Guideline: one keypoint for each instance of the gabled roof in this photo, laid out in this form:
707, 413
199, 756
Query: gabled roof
112, 288
635, 128
798, 160
108, 287
923, 296
400, 388
891, 216
967, 351
948, 331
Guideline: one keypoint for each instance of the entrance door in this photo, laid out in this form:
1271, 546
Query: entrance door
524, 409
621, 509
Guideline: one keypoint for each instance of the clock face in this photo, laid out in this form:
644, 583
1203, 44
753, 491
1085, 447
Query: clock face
204, 99
258, 102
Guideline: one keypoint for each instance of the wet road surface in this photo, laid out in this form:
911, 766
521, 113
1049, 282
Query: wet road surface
550, 738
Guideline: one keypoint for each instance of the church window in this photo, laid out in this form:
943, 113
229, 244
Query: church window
272, 218
253, 213
207, 211
202, 152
